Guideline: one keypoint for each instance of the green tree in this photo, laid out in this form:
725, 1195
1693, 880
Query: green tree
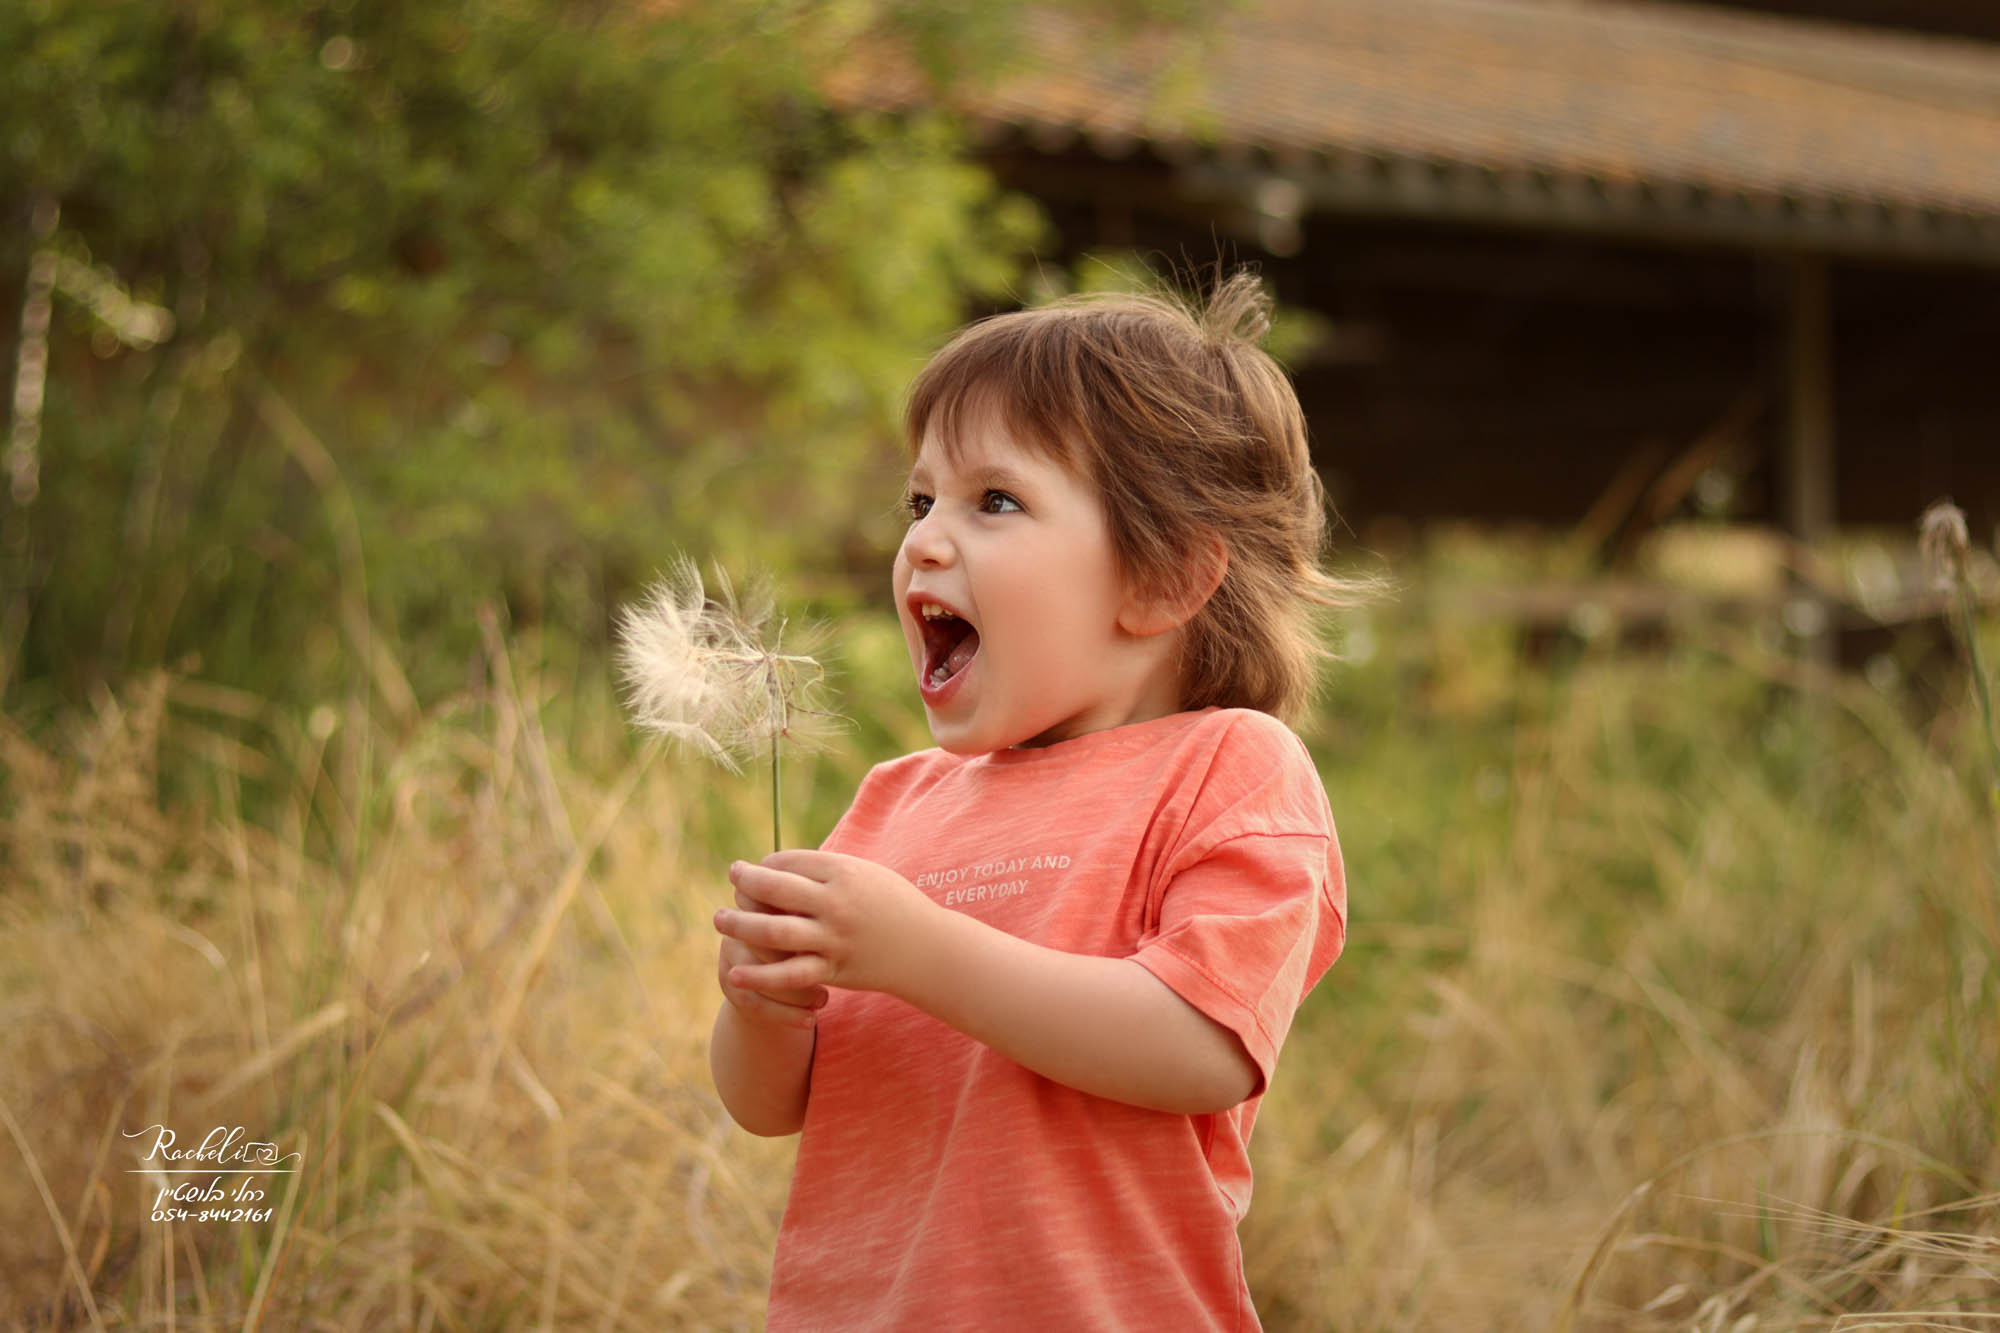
469, 298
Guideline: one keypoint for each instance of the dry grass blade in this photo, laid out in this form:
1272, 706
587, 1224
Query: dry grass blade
274, 1252
299, 1037
553, 912
34, 1166
1613, 1229
1921, 1319
1947, 548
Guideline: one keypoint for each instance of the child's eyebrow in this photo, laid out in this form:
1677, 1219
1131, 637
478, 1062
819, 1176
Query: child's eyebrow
986, 476
995, 476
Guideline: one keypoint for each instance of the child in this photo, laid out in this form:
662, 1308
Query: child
1024, 1002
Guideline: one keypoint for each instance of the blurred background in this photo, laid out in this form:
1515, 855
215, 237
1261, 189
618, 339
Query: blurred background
365, 359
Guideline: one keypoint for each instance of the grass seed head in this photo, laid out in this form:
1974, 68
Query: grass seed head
1945, 543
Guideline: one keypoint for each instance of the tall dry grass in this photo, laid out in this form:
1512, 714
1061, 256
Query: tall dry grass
487, 1039
1705, 1045
1685, 1018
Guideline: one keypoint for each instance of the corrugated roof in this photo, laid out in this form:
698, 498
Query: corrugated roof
1645, 106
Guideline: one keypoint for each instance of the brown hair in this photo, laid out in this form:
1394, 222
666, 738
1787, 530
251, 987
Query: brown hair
1189, 430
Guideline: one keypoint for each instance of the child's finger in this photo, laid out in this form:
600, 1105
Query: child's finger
772, 932
750, 904
799, 972
745, 953
778, 890
806, 997
765, 1004
806, 862
735, 951
771, 1009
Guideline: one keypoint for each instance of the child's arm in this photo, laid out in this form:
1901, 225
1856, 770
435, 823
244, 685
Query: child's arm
761, 1051
1105, 1026
761, 1071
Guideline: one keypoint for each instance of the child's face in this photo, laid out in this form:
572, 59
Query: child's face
1037, 638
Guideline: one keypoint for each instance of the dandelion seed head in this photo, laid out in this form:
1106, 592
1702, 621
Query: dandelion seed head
713, 672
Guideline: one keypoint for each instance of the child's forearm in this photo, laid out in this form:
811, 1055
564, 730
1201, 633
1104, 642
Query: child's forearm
1105, 1026
762, 1072
1101, 1025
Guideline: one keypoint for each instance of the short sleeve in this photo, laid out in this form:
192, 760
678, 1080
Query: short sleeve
1246, 931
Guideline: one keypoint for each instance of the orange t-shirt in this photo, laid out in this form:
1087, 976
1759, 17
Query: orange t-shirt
941, 1185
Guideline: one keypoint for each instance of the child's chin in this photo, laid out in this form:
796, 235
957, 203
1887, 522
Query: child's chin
963, 741
964, 746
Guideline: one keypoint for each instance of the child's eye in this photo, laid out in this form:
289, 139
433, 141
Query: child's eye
998, 502
917, 504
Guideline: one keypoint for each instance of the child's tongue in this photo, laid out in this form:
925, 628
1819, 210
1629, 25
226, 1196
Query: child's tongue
955, 655
961, 653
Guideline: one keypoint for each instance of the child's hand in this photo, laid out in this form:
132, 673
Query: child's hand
790, 1007
833, 920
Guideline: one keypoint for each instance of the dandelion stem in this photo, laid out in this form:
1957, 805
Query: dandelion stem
780, 718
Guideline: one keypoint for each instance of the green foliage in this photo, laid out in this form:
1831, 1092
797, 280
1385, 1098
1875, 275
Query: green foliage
474, 299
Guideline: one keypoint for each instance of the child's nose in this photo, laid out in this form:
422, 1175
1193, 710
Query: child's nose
927, 544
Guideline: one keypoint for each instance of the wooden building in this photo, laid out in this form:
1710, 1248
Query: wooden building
1578, 261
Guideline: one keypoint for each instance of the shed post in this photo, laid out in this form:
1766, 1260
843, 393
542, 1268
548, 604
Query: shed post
1808, 486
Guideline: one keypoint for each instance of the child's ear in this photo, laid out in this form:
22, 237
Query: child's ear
1156, 612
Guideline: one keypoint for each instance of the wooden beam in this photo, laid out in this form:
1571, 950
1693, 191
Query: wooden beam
1662, 213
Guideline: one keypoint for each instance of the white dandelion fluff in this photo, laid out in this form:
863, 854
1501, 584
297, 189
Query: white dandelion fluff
714, 673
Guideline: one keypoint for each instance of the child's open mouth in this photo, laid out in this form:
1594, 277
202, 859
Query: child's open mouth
950, 642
